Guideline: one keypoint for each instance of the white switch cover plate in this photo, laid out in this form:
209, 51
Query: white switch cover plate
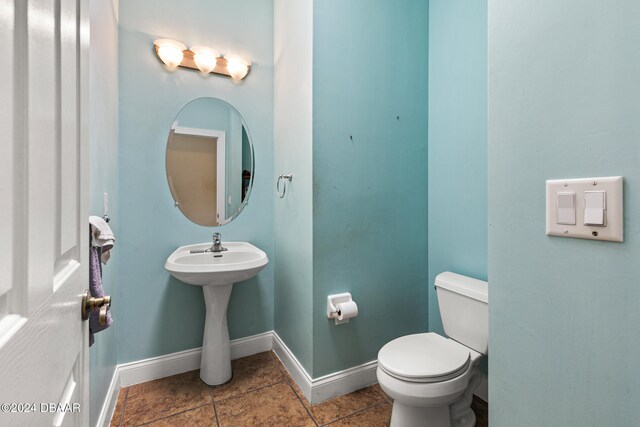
614, 213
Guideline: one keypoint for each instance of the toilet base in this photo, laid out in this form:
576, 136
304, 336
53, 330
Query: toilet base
429, 404
419, 416
458, 414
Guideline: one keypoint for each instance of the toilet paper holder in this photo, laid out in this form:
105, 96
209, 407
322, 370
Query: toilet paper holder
333, 307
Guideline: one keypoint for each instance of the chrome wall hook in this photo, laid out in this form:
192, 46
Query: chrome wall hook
283, 178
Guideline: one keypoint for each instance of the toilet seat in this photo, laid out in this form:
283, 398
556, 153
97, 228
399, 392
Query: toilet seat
424, 358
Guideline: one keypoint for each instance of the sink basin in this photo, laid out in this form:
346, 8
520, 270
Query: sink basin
216, 272
240, 262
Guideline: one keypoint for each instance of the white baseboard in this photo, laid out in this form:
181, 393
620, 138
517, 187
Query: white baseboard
335, 384
184, 361
248, 346
315, 390
343, 382
109, 405
159, 367
293, 366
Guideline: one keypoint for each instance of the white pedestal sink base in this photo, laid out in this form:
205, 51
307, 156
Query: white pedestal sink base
215, 366
216, 273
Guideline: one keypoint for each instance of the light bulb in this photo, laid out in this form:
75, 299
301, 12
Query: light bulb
205, 58
170, 51
237, 67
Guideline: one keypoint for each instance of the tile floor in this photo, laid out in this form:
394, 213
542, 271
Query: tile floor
261, 393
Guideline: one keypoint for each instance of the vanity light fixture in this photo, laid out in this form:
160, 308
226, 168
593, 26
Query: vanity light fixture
175, 54
205, 58
238, 67
170, 52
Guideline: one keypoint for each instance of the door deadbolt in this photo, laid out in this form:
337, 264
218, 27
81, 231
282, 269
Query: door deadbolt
90, 303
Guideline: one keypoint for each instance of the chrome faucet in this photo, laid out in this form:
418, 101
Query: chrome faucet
217, 243
215, 247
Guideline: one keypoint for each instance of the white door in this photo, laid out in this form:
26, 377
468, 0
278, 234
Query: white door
217, 137
43, 212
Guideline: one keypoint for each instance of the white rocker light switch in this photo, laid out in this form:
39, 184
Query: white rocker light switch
595, 208
566, 208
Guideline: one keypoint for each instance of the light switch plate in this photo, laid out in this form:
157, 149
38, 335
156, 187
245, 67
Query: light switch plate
614, 213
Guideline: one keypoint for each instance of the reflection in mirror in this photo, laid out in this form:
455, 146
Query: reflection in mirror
209, 162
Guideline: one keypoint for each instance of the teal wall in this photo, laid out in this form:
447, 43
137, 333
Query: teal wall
161, 314
103, 178
293, 141
457, 142
563, 103
369, 174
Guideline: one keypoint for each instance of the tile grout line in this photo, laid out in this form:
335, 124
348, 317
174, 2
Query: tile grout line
171, 415
124, 405
373, 405
283, 381
385, 399
249, 391
288, 380
302, 403
337, 419
287, 377
366, 408
215, 411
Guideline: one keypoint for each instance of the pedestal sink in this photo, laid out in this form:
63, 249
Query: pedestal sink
216, 272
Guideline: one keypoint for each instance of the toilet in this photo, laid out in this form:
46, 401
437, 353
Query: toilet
432, 378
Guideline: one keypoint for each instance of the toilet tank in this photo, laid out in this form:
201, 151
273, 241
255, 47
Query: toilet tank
464, 309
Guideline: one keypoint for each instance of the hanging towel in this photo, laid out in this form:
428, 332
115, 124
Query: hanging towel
96, 291
102, 237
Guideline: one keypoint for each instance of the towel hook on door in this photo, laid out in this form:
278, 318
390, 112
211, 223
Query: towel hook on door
283, 178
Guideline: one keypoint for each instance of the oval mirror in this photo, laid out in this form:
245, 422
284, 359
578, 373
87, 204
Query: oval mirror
209, 162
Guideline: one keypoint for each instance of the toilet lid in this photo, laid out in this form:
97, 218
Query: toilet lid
423, 357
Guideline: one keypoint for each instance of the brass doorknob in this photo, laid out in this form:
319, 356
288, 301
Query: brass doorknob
102, 316
90, 303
